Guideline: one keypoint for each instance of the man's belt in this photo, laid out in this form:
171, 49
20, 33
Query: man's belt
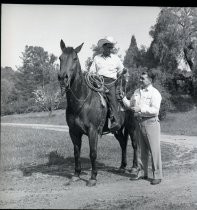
141, 118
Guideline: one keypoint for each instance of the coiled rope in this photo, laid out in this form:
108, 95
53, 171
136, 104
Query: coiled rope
96, 82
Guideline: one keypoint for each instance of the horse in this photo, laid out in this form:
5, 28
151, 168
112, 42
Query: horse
86, 114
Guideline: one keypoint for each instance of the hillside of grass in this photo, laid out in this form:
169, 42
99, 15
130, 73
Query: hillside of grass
57, 118
179, 123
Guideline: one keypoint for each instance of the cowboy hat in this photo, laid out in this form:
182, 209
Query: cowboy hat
107, 39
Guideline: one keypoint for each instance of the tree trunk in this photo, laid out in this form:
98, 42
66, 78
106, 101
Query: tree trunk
50, 108
188, 58
50, 113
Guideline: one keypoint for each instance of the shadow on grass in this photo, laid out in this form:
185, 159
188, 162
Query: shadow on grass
60, 166
173, 159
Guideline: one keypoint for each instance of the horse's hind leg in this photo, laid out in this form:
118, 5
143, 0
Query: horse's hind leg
122, 139
93, 140
136, 156
76, 139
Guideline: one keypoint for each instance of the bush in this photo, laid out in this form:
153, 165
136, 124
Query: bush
20, 106
14, 107
183, 103
63, 103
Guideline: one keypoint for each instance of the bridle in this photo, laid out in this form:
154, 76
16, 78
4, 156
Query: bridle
69, 88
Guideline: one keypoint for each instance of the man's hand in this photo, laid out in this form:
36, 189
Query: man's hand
137, 114
136, 109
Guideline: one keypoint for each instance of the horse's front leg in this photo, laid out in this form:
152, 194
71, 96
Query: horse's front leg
76, 139
122, 139
93, 140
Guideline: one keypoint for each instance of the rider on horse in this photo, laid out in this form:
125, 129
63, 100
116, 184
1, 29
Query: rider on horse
110, 67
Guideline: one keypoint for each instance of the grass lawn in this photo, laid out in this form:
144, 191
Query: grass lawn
181, 123
29, 147
57, 118
34, 150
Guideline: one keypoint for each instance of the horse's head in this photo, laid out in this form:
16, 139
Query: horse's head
69, 63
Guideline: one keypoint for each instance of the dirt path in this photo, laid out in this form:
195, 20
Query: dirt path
178, 189
178, 139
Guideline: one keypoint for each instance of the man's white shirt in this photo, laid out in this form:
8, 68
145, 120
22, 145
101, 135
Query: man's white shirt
107, 66
149, 101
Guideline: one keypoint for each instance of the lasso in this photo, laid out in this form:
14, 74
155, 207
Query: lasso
96, 82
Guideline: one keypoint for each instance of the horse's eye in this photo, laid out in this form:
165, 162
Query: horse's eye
75, 59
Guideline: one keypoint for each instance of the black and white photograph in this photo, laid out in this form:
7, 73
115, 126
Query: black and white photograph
98, 107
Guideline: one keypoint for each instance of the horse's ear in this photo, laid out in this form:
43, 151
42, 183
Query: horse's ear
77, 49
62, 45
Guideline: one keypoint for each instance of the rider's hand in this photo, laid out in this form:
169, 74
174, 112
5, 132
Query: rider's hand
120, 94
124, 71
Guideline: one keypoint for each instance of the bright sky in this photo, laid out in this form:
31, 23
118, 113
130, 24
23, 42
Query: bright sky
46, 25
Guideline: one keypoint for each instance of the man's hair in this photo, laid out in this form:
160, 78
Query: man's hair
150, 74
110, 44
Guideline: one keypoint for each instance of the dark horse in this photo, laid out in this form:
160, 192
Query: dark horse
85, 113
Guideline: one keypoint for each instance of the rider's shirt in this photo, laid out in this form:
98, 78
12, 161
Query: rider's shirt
107, 66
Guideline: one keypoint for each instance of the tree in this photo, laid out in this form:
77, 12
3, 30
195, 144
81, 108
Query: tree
131, 58
38, 71
8, 92
47, 98
175, 32
7, 84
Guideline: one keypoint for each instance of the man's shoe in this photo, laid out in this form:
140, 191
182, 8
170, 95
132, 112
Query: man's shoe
144, 177
155, 181
138, 175
114, 127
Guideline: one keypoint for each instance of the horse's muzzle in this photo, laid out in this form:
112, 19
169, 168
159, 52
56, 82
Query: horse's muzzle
64, 83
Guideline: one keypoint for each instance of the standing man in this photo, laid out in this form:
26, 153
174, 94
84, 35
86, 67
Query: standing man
145, 103
109, 66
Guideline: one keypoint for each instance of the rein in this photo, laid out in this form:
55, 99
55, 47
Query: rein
76, 96
77, 99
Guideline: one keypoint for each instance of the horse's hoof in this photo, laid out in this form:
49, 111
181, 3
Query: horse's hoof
75, 178
134, 171
121, 170
91, 182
